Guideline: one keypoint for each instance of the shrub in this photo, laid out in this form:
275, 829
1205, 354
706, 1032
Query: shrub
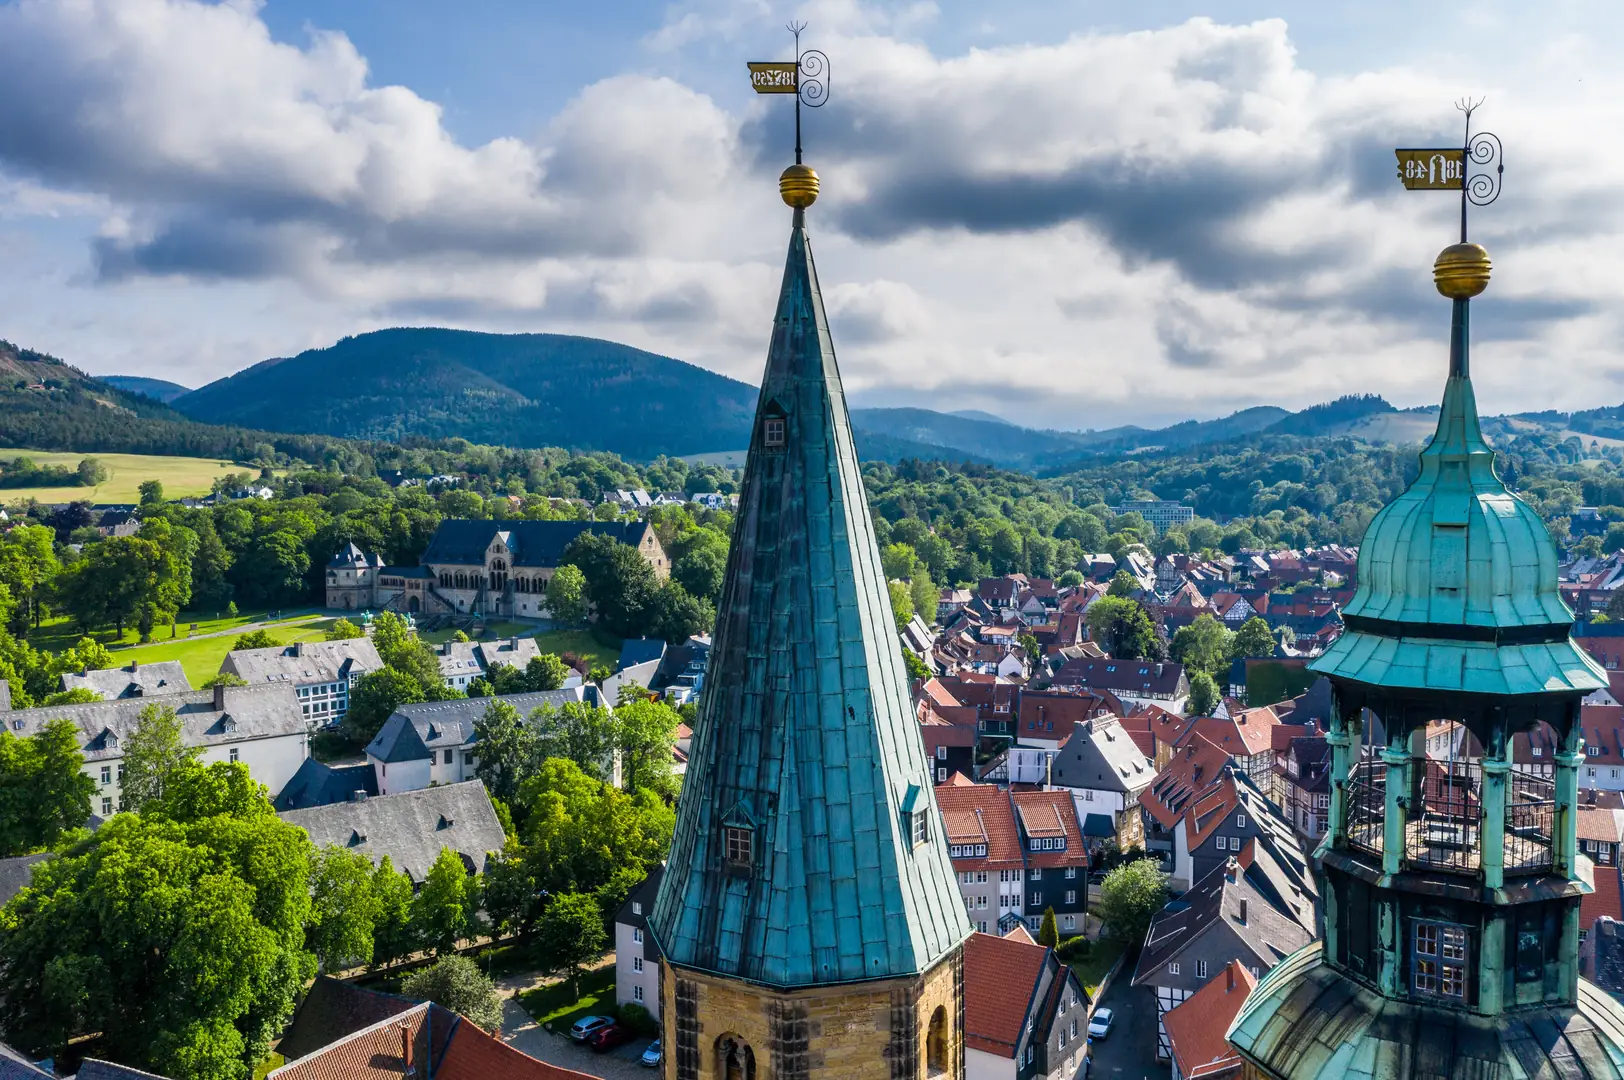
633, 1017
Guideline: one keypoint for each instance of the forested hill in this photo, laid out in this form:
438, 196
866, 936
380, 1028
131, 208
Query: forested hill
47, 404
519, 390
157, 389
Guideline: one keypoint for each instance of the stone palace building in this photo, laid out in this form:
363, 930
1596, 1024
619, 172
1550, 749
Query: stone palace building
492, 568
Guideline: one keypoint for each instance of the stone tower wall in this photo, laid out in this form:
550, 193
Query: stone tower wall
864, 1031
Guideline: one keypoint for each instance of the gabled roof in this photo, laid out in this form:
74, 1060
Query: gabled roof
639, 903
1606, 826
1224, 897
1196, 1027
134, 679
410, 827
304, 662
1100, 754
1247, 733
1132, 677
379, 1051
805, 720
93, 1069
1050, 814
332, 1009
1194, 765
15, 875
416, 731
1002, 979
15, 1066
256, 712
317, 783
540, 544
980, 814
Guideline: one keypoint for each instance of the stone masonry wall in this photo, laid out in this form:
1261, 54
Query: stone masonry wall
865, 1031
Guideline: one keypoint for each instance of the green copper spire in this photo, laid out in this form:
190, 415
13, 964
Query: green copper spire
1458, 576
807, 847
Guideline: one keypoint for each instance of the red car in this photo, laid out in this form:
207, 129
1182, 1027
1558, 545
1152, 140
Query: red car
608, 1038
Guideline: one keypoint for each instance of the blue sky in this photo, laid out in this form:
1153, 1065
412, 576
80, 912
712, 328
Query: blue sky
1073, 215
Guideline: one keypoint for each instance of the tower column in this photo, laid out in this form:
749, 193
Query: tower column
1564, 828
1395, 826
1496, 768
1336, 832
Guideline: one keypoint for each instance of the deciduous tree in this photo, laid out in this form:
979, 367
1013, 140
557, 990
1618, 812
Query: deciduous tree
566, 595
443, 912
569, 935
1253, 639
344, 908
43, 790
456, 983
154, 753
1130, 897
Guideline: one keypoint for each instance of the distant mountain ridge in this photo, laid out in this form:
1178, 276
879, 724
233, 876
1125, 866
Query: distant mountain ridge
159, 390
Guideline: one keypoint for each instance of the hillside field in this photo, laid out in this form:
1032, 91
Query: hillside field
181, 476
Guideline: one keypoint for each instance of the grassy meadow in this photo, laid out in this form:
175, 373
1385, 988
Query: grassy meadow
181, 476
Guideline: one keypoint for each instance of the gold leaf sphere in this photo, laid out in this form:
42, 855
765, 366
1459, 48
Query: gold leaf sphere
799, 186
1461, 271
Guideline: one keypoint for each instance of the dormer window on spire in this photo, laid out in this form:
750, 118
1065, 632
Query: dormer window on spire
772, 433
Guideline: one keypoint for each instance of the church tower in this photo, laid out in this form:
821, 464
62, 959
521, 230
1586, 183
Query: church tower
809, 920
1450, 870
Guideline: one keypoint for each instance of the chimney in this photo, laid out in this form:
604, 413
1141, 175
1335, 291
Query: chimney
406, 1050
219, 697
1231, 869
298, 648
1229, 970
358, 795
1242, 917
135, 665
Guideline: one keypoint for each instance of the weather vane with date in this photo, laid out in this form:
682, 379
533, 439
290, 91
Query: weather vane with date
807, 77
1475, 168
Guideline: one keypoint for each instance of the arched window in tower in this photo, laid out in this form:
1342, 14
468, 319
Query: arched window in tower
734, 1059
936, 1043
498, 574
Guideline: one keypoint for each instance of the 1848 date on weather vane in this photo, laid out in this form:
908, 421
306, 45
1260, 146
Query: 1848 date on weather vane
806, 76
1474, 168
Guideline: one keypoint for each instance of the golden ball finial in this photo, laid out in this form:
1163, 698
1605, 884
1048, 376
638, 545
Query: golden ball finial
1462, 271
799, 186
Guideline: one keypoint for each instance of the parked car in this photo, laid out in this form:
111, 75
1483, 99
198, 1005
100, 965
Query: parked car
1099, 1025
588, 1026
651, 1056
607, 1038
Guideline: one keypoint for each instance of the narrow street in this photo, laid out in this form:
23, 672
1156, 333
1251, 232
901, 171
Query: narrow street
1129, 1052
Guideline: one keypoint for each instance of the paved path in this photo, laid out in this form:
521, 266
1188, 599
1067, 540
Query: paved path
525, 1034
1129, 1052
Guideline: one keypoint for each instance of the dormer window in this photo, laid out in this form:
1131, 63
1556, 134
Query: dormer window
916, 816
772, 432
1438, 960
740, 847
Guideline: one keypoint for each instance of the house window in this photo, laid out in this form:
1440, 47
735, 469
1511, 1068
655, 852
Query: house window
772, 431
107, 807
981, 901
637, 934
1438, 959
637, 963
1037, 898
941, 776
1201, 969
107, 774
740, 847
233, 753
919, 827
1071, 896
448, 755
941, 753
981, 875
1037, 873
637, 993
1173, 968
1240, 821
1068, 922
1071, 872
637, 907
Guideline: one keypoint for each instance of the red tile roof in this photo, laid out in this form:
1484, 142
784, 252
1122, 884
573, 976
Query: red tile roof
1050, 814
1137, 725
1196, 1027
1209, 811
1193, 767
474, 1055
1249, 732
1000, 977
980, 814
1608, 899
377, 1052
1596, 823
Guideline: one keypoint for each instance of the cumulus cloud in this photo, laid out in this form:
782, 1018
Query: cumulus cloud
1175, 220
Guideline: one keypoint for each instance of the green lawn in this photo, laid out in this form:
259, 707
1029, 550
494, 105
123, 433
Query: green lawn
201, 656
594, 646
59, 633
180, 476
1101, 956
555, 1010
275, 1061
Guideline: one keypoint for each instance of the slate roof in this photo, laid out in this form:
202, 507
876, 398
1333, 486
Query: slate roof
1101, 754
15, 1066
332, 1009
410, 827
477, 657
244, 713
641, 897
1002, 979
1220, 898
634, 651
413, 732
350, 557
16, 873
135, 679
317, 783
805, 728
92, 1069
539, 544
304, 662
1131, 677
1196, 1027
1606, 944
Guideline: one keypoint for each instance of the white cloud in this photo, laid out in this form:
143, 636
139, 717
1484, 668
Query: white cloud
1078, 231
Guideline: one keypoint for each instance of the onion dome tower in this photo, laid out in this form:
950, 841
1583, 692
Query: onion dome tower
809, 918
1450, 870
